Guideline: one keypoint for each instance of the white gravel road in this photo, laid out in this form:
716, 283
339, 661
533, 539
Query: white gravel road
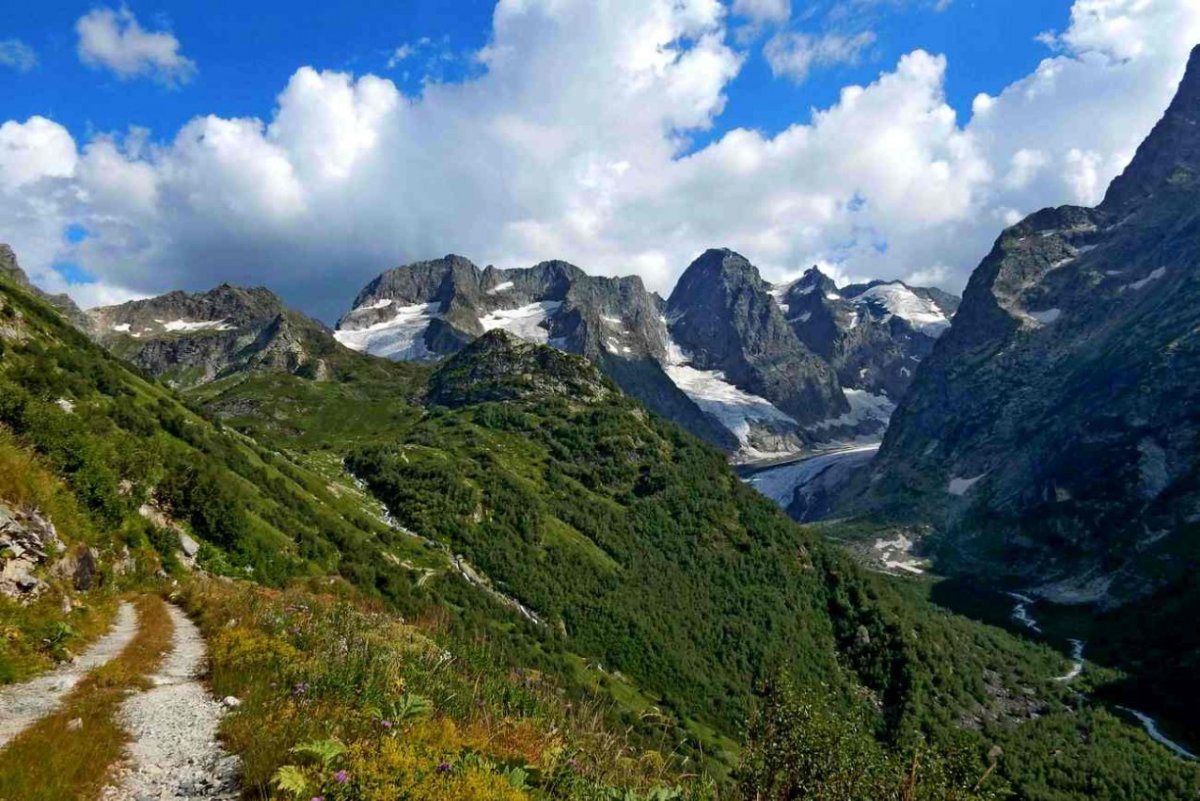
23, 704
174, 754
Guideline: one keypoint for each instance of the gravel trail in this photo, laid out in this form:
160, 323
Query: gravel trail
23, 704
174, 754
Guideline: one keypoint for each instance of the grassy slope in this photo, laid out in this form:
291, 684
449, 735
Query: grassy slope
635, 542
603, 498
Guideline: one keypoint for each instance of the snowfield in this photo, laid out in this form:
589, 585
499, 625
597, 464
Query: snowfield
524, 321
898, 300
401, 338
733, 408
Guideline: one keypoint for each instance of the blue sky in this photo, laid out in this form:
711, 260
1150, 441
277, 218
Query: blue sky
296, 149
245, 52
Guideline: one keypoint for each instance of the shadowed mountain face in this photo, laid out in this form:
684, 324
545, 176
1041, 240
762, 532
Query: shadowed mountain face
1053, 433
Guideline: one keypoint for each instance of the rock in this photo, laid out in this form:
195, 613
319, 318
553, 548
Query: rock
26, 541
80, 568
231, 702
190, 546
190, 339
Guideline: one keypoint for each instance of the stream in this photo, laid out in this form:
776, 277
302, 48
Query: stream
1022, 614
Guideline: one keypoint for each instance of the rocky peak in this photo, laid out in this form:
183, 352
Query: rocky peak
9, 267
813, 282
501, 367
1051, 432
723, 317
1172, 151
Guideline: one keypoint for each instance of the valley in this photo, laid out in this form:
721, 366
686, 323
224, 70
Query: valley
537, 533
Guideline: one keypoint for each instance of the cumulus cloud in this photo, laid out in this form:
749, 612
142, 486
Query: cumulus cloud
16, 54
794, 55
574, 143
113, 39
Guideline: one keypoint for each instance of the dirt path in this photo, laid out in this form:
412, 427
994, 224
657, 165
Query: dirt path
174, 754
23, 704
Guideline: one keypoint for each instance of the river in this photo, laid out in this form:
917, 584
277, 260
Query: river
1022, 613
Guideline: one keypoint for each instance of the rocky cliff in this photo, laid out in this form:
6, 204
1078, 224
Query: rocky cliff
1053, 434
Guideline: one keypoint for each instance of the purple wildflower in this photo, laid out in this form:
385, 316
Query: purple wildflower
387, 724
341, 777
300, 688
442, 768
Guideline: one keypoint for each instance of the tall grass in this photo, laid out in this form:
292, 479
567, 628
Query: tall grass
394, 714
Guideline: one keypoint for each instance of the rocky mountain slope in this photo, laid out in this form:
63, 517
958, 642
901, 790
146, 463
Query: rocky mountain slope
190, 339
874, 335
10, 269
1053, 433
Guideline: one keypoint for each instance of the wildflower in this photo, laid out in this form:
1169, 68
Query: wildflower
442, 768
387, 724
300, 689
341, 777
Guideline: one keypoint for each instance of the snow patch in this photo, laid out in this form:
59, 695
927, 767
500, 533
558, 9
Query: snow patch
864, 407
498, 288
960, 486
187, 326
898, 300
401, 338
1046, 317
524, 321
733, 408
122, 328
1153, 276
382, 303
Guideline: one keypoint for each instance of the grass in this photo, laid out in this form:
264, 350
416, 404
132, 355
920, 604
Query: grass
54, 760
331, 684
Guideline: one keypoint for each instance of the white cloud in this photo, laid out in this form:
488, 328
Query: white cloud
794, 55
571, 144
401, 53
760, 11
113, 38
35, 149
16, 54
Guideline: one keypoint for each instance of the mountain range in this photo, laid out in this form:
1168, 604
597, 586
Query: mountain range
760, 371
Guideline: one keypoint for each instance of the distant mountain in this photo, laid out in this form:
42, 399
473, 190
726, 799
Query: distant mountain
1054, 433
719, 357
191, 339
873, 334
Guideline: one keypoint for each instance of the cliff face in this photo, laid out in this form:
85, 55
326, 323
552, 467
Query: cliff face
1053, 433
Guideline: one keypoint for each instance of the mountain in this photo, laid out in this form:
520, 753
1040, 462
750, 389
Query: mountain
722, 315
1053, 432
191, 339
574, 559
10, 269
874, 335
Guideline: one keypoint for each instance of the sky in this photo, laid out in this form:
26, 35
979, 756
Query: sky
157, 145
